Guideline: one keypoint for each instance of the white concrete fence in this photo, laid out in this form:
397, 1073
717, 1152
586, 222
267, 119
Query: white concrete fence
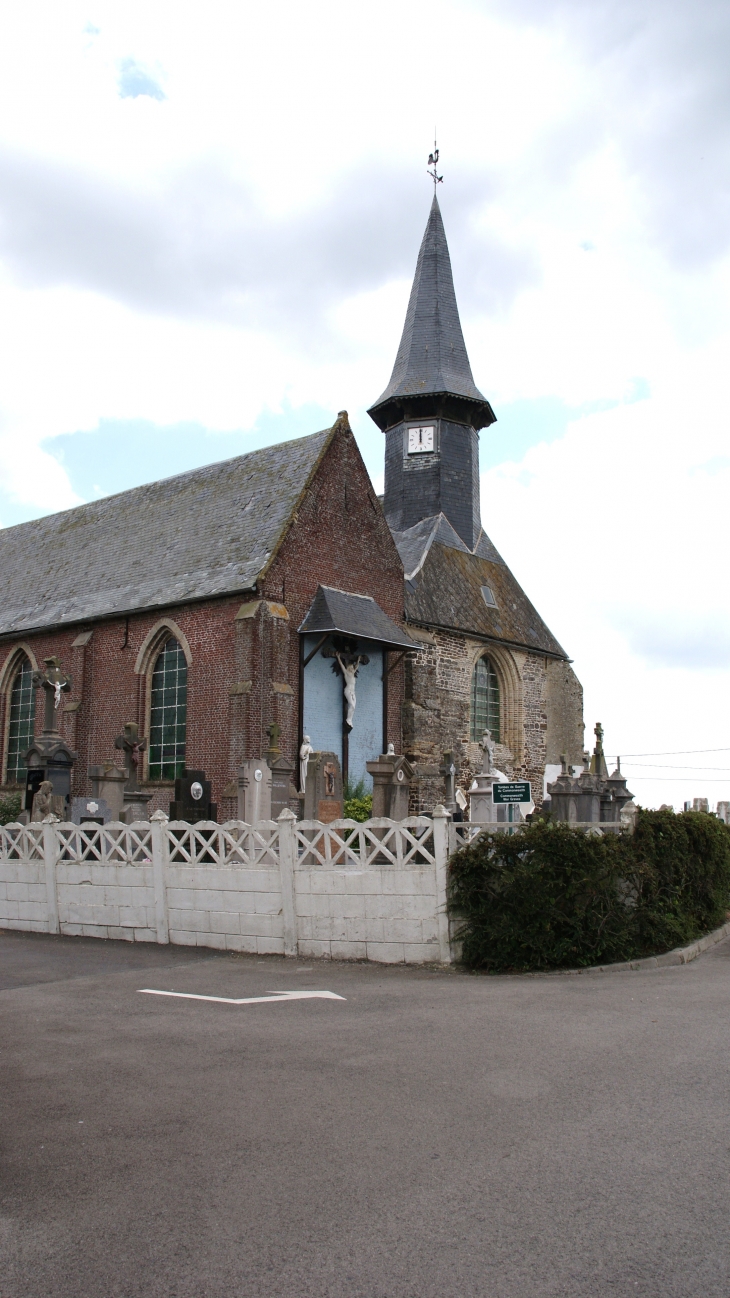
374, 891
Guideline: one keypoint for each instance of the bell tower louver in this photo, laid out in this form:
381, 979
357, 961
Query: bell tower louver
431, 411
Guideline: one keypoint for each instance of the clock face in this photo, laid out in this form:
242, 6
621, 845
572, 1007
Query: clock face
420, 440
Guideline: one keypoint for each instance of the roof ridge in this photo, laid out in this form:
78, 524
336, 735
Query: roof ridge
162, 482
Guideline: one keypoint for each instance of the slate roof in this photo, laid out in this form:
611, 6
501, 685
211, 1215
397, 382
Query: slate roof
355, 615
208, 532
432, 358
444, 588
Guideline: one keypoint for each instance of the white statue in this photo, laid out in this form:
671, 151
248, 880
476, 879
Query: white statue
305, 752
488, 746
349, 675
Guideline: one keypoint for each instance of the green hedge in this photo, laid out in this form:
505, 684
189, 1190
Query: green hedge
358, 803
10, 805
553, 897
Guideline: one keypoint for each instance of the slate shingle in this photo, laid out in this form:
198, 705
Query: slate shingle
211, 531
432, 357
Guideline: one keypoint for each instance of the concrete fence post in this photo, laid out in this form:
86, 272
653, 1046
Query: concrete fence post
51, 852
160, 859
287, 860
441, 820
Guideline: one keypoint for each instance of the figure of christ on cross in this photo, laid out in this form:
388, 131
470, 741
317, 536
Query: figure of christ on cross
349, 668
54, 683
132, 747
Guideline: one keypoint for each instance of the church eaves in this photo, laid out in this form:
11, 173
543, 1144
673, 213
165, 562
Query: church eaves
206, 533
432, 360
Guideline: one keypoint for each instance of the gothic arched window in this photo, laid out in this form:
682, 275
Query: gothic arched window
21, 726
485, 700
168, 713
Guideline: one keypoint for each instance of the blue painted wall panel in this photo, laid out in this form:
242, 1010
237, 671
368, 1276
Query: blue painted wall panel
323, 708
322, 702
366, 736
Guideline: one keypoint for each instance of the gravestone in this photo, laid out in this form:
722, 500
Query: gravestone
107, 785
136, 801
93, 811
49, 757
254, 791
283, 793
323, 792
392, 775
447, 770
192, 798
482, 810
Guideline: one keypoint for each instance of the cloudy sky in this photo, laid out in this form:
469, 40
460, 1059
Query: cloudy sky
209, 220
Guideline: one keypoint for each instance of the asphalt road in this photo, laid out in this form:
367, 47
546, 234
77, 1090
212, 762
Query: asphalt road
432, 1134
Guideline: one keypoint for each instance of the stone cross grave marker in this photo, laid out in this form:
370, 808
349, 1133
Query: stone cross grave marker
132, 747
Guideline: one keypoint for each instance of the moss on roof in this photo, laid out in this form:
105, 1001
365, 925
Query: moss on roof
212, 531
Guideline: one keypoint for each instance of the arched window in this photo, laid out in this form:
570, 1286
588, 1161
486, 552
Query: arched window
22, 722
168, 713
485, 700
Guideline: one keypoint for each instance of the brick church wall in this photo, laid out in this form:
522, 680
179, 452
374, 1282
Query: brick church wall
245, 671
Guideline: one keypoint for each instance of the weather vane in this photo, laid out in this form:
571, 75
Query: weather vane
433, 162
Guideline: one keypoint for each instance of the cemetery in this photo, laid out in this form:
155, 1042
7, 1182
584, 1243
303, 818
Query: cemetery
204, 668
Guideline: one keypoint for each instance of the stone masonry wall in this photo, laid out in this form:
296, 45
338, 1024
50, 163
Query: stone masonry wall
538, 696
564, 700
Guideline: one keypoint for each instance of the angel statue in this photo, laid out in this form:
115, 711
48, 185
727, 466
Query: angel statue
487, 745
305, 752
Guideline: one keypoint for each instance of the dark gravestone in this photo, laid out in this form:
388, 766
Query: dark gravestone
192, 799
95, 811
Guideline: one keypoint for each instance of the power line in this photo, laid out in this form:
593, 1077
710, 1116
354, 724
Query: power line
657, 767
683, 752
675, 779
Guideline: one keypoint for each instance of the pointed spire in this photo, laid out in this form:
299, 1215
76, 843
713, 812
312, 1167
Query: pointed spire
432, 361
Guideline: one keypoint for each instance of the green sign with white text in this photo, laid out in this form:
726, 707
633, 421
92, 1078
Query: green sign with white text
517, 791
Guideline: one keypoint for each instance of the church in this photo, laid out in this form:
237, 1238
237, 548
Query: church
229, 612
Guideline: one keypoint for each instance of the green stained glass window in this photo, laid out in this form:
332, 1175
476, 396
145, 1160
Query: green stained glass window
22, 723
485, 701
168, 713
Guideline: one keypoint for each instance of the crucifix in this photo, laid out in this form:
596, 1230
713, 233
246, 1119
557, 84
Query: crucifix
55, 683
132, 747
349, 663
273, 731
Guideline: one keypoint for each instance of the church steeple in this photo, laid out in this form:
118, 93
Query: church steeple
432, 371
431, 410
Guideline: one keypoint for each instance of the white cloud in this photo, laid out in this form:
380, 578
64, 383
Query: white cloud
250, 241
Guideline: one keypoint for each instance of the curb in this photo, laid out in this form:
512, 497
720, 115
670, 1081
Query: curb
680, 955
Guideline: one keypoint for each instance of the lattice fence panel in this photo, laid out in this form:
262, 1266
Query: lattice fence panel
105, 844
225, 846
21, 843
349, 843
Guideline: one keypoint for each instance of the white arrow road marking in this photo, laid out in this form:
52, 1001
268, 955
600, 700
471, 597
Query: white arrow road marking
272, 998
